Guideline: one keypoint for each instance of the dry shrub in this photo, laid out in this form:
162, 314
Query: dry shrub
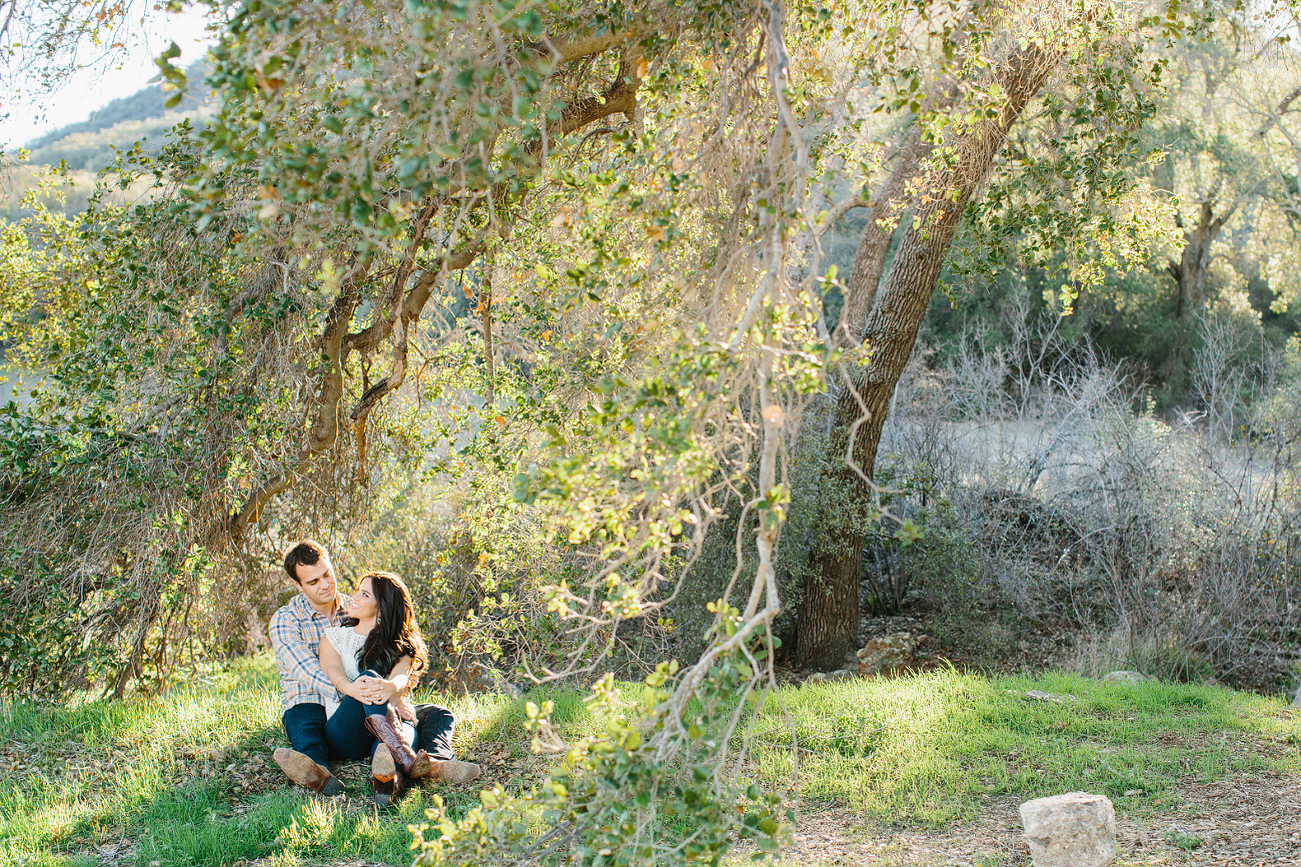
1056, 505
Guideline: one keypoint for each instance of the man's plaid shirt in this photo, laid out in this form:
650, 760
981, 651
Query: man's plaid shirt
296, 631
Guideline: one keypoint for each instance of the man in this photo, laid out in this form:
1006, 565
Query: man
296, 631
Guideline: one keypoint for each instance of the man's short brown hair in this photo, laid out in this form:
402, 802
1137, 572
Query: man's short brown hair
308, 553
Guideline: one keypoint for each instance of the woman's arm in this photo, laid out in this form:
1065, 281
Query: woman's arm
332, 665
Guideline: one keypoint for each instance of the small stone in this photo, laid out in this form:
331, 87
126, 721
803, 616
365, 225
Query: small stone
1040, 695
831, 676
1071, 830
1296, 699
1128, 677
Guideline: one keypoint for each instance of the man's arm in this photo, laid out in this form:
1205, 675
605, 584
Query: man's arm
294, 658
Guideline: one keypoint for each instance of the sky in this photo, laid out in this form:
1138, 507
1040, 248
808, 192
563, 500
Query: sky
91, 89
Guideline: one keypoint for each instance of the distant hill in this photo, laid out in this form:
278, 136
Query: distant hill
88, 145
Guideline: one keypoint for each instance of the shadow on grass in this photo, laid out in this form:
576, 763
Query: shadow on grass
205, 822
188, 779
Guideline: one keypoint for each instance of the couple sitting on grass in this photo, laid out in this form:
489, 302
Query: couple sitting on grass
347, 667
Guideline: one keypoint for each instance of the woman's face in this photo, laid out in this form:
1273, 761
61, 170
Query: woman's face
363, 605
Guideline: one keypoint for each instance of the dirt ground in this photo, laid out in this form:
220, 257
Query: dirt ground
1237, 821
1242, 821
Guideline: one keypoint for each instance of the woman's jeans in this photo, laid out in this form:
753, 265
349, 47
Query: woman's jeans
346, 732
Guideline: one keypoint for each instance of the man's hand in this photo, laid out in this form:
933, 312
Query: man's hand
406, 710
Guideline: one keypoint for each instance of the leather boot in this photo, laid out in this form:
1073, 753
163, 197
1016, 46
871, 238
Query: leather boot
389, 731
385, 778
454, 772
305, 772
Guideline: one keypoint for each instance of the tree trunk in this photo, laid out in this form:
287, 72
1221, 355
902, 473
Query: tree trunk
827, 617
874, 242
1189, 272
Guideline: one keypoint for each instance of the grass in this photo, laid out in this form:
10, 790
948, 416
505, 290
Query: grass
188, 780
931, 748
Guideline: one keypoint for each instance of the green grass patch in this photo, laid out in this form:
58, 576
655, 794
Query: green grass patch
187, 779
931, 748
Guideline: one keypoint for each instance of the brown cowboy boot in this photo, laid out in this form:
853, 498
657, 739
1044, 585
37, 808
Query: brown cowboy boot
385, 778
389, 731
305, 772
454, 772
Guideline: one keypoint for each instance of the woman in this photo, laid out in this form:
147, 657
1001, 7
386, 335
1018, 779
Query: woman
376, 655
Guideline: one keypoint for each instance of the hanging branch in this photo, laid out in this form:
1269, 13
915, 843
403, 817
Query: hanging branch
484, 309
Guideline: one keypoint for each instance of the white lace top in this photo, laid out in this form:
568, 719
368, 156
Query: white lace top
348, 644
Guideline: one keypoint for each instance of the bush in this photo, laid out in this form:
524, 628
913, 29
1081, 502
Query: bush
1165, 547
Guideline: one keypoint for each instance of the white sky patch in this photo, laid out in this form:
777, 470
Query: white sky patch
24, 118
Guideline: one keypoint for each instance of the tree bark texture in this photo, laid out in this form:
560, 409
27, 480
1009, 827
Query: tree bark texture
874, 243
827, 617
1190, 272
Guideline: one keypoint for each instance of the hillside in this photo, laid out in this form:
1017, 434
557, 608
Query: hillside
145, 104
92, 150
93, 144
88, 145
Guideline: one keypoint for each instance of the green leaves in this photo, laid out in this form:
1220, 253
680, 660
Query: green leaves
617, 795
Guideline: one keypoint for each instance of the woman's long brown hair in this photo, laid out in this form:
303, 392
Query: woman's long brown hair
396, 633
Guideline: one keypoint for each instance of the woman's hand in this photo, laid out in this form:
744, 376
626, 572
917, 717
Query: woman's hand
373, 690
363, 689
367, 690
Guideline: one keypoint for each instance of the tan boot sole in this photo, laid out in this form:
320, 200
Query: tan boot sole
455, 772
305, 772
383, 776
422, 767
382, 766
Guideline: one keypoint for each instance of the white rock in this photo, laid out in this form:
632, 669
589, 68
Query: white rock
1072, 830
1040, 695
1296, 699
1127, 677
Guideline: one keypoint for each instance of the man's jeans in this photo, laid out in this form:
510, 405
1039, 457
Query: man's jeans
305, 725
434, 726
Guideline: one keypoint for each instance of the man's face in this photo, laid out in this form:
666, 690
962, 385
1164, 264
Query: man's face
317, 583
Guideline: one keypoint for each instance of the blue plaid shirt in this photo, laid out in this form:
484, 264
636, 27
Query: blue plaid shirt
296, 631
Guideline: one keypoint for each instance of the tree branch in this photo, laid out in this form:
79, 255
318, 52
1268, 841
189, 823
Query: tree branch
325, 428
485, 316
581, 47
1278, 112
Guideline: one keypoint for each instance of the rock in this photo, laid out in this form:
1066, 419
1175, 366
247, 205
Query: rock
831, 676
1040, 695
1296, 699
1072, 830
887, 653
1128, 677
